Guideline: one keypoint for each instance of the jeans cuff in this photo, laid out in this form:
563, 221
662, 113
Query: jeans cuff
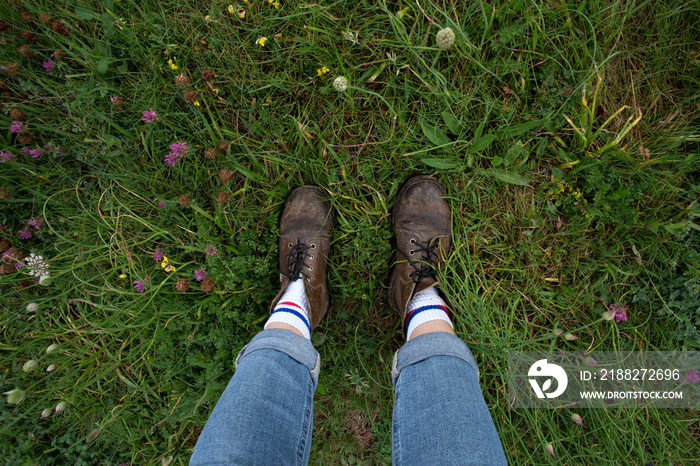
285, 341
428, 345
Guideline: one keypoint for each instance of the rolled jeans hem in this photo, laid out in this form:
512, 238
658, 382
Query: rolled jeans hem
285, 341
428, 345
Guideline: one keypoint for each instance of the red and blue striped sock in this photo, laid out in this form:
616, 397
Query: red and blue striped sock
292, 309
427, 305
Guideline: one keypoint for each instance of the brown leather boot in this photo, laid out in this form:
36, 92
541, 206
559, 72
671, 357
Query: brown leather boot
305, 236
422, 225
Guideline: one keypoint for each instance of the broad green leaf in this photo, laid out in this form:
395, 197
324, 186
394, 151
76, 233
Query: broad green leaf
85, 13
102, 65
557, 173
435, 136
512, 154
517, 130
507, 176
442, 164
481, 143
675, 227
452, 123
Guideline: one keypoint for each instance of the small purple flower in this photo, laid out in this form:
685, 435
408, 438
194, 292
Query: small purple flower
17, 127
19, 266
59, 151
48, 65
139, 286
25, 150
25, 234
161, 204
177, 150
149, 116
35, 153
620, 312
210, 250
158, 255
7, 157
692, 376
577, 419
35, 222
200, 274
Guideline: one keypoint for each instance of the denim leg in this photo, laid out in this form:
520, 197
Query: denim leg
265, 415
440, 416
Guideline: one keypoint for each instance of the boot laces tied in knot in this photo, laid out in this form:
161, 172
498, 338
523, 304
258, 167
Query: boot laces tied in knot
427, 265
294, 261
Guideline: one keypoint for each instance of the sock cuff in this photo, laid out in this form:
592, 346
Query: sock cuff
426, 314
291, 316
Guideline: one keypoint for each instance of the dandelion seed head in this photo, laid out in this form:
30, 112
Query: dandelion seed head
340, 84
445, 38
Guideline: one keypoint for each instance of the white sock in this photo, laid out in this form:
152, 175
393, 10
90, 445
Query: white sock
292, 308
425, 306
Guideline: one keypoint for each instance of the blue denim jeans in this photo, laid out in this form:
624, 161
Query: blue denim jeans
265, 415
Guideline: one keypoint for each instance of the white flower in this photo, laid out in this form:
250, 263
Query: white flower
46, 413
340, 83
30, 365
50, 368
32, 307
445, 38
352, 36
36, 266
51, 347
61, 406
15, 397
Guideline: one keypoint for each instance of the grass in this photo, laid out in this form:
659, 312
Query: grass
566, 134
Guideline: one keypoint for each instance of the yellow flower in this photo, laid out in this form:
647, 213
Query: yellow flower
196, 103
164, 264
322, 71
261, 41
122, 275
241, 13
274, 3
173, 66
230, 9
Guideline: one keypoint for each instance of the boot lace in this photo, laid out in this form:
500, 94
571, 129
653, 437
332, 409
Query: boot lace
294, 261
427, 264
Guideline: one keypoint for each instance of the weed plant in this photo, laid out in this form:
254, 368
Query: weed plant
147, 151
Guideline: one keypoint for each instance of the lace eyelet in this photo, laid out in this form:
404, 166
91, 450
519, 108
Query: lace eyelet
311, 257
411, 252
313, 245
311, 268
413, 241
308, 279
290, 245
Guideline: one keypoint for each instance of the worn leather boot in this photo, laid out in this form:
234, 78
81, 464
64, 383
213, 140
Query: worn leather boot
305, 236
422, 225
